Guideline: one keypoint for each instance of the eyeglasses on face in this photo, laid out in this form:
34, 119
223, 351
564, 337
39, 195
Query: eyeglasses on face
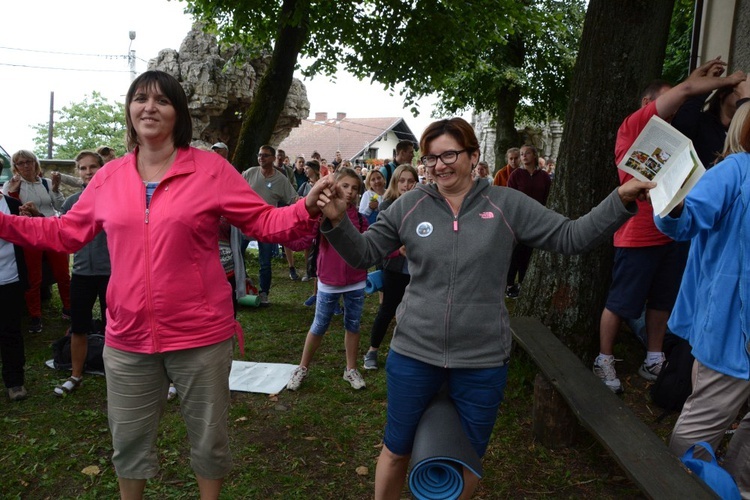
447, 157
25, 163
264, 155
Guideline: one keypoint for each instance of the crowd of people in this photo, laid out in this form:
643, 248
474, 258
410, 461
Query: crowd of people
452, 240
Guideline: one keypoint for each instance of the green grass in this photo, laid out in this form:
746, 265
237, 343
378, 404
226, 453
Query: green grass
307, 444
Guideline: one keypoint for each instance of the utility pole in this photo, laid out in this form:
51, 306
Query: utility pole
51, 124
131, 56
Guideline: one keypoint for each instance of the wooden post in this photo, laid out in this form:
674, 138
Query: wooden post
554, 424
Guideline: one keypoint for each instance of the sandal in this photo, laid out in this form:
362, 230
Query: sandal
70, 385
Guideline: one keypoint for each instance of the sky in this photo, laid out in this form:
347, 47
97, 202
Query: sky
75, 47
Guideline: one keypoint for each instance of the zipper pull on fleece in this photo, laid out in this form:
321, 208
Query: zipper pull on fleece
146, 221
455, 224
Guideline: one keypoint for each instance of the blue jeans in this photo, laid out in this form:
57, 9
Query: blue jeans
476, 394
264, 258
325, 304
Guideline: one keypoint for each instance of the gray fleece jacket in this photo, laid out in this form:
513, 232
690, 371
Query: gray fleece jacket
453, 313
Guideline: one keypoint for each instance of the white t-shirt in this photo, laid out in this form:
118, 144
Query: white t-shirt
8, 267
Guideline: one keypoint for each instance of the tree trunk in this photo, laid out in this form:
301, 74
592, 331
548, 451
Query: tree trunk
262, 115
622, 50
506, 100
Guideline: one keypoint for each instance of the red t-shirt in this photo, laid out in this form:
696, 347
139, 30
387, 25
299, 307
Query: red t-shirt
640, 230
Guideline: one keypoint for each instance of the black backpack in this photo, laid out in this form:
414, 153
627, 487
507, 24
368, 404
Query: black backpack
94, 359
674, 383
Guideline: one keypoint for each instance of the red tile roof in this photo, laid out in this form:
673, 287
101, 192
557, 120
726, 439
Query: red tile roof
352, 136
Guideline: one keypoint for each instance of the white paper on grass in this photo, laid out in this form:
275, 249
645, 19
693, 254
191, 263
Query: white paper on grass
265, 378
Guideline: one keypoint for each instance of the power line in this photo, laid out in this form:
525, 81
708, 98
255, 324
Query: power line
65, 53
66, 69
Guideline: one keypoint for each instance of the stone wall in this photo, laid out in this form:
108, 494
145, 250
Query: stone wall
545, 137
740, 50
219, 90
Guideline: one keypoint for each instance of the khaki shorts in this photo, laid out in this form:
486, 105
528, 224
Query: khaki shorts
137, 386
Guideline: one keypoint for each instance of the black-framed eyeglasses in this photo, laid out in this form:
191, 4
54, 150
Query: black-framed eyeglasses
447, 157
264, 155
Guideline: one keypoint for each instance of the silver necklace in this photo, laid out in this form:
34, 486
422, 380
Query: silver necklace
156, 174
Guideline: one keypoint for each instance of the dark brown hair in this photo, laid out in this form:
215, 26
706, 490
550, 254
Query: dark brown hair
182, 133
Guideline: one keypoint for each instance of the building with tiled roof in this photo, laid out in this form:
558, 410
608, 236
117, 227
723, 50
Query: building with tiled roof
358, 139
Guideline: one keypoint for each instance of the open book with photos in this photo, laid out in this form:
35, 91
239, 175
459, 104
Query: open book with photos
665, 156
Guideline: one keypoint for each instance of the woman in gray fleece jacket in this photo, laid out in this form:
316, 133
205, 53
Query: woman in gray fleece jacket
452, 323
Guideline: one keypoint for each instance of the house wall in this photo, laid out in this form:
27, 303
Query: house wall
386, 146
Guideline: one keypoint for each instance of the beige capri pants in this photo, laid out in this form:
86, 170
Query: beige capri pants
137, 386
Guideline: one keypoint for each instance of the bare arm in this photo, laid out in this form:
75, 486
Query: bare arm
703, 80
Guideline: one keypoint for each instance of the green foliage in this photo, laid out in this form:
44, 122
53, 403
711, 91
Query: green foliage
536, 58
87, 124
388, 41
677, 59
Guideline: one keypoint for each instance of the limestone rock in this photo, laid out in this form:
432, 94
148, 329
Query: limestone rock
219, 89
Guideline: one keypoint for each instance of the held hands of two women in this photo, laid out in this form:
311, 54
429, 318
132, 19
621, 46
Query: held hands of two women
325, 198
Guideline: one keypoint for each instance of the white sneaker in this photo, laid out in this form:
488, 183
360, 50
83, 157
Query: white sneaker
604, 368
298, 375
354, 378
651, 372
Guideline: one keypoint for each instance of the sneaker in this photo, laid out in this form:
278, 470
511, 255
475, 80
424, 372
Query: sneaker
17, 393
371, 360
605, 370
65, 314
513, 291
298, 375
171, 393
35, 325
264, 302
338, 310
305, 278
293, 274
354, 378
651, 372
311, 300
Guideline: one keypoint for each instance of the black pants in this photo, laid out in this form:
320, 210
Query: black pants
519, 263
394, 285
11, 341
84, 290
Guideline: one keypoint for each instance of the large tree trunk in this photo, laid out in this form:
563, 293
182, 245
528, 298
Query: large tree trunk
506, 100
260, 119
622, 50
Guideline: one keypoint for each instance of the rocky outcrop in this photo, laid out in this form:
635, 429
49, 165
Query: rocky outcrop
219, 88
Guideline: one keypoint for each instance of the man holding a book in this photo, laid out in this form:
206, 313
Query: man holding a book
648, 265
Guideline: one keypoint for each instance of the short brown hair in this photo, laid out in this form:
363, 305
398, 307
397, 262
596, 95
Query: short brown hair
458, 128
93, 154
403, 146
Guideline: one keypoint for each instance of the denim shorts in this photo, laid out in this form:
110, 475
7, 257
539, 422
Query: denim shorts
476, 394
649, 276
354, 302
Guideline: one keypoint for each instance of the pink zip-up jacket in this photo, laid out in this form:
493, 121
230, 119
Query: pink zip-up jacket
168, 290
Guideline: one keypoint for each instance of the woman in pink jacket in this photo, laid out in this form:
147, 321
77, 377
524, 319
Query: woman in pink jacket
170, 309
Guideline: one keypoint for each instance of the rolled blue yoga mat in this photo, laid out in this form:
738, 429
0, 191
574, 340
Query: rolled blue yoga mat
441, 450
374, 282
